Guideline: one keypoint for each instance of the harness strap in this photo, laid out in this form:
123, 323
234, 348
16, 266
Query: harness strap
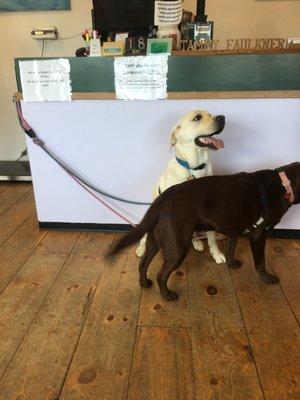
265, 210
263, 199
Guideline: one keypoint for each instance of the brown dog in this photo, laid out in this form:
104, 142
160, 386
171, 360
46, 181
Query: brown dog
231, 204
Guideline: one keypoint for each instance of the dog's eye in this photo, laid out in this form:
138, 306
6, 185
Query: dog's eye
198, 117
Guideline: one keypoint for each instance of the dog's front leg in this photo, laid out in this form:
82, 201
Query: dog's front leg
217, 255
229, 253
258, 243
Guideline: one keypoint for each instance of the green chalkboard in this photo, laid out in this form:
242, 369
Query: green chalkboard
192, 73
34, 5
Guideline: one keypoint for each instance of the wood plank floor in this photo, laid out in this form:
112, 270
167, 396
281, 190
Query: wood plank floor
74, 326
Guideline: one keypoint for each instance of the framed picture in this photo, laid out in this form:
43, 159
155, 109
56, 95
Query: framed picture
159, 46
34, 5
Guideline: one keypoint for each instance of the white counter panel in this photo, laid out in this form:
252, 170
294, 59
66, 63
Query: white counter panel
122, 147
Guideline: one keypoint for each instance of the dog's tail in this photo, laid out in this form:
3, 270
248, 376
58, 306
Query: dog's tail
146, 225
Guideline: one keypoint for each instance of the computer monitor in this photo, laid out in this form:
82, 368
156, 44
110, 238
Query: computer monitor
134, 16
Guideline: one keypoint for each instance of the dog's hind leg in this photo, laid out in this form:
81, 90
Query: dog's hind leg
173, 257
173, 238
163, 276
258, 243
140, 251
151, 250
217, 255
229, 253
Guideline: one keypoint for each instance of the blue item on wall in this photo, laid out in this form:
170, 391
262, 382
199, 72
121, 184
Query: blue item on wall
34, 5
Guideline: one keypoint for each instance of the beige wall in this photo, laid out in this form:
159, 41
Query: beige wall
252, 18
20, 44
243, 18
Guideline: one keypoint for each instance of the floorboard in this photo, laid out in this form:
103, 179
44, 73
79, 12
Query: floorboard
22, 299
15, 251
15, 216
288, 271
41, 362
283, 247
162, 365
12, 193
4, 186
102, 362
223, 361
272, 329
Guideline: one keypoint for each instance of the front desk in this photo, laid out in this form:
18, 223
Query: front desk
123, 147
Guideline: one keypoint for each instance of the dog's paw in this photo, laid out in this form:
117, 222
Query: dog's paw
219, 258
269, 278
234, 264
170, 296
198, 244
140, 251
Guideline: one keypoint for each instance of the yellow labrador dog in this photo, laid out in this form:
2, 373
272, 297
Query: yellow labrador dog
192, 139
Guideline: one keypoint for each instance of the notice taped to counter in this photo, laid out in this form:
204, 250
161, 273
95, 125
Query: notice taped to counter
168, 12
46, 80
141, 78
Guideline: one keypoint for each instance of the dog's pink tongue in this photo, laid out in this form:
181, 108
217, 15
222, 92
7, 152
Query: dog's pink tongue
218, 143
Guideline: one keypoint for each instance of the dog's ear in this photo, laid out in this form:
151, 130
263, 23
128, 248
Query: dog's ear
173, 136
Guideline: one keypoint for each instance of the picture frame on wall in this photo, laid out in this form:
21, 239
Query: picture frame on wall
34, 5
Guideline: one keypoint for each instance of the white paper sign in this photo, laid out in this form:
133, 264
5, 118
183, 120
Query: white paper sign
141, 78
168, 13
46, 80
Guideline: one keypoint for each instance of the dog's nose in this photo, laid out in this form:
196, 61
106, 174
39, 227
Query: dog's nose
220, 118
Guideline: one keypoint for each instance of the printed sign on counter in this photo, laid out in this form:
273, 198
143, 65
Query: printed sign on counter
168, 13
46, 80
141, 78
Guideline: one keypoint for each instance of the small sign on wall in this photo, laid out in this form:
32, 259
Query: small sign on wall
46, 80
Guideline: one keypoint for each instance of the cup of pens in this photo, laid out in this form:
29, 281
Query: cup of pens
86, 36
92, 43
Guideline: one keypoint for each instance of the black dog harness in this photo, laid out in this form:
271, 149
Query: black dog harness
262, 221
288, 196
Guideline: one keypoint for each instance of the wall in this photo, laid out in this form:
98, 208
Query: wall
16, 28
252, 18
243, 18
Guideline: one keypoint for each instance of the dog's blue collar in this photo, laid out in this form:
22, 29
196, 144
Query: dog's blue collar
186, 165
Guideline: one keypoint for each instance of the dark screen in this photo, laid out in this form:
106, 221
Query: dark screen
123, 15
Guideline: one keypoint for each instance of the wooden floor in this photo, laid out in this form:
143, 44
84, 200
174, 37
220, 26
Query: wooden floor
73, 326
